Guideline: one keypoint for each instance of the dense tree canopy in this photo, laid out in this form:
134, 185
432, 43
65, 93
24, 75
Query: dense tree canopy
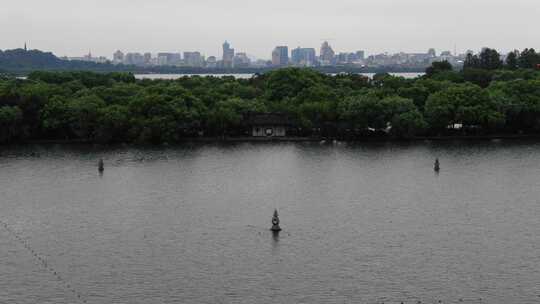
484, 98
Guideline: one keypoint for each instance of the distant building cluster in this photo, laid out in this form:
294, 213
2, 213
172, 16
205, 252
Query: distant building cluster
87, 58
280, 57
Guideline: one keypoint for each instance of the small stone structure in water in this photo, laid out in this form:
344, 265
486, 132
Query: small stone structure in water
101, 165
275, 222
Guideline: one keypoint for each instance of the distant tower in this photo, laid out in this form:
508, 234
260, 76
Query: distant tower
118, 57
228, 55
25, 49
280, 56
327, 54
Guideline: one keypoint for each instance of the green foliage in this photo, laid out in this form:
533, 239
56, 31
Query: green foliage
10, 118
402, 116
56, 117
519, 100
227, 114
512, 60
466, 104
118, 108
528, 59
480, 77
290, 82
438, 67
417, 93
489, 59
362, 112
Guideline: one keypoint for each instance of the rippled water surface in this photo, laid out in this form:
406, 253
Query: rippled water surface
362, 223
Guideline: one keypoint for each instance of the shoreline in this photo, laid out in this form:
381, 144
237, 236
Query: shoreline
291, 139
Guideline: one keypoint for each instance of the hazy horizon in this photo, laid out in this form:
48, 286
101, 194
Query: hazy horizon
73, 28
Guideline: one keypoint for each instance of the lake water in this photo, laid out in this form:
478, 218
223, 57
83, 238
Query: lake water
247, 76
362, 223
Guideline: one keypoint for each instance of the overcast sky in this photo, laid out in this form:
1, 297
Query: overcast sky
72, 27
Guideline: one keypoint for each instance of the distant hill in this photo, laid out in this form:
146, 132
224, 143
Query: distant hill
20, 61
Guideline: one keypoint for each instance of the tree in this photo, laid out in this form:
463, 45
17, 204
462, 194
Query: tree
403, 116
464, 104
84, 113
511, 60
528, 59
10, 123
417, 93
113, 123
471, 62
289, 82
520, 101
388, 82
227, 114
490, 59
480, 77
56, 117
437, 67
362, 112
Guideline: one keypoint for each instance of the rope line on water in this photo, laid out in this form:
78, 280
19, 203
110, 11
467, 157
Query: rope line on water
41, 260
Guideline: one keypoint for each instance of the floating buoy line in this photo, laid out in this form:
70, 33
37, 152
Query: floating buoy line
42, 261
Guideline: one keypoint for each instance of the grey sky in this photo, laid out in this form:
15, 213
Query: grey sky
72, 27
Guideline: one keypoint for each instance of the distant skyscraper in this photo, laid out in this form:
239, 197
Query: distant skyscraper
118, 57
228, 55
134, 58
361, 55
280, 56
193, 59
147, 58
169, 58
327, 54
211, 62
241, 60
303, 56
432, 53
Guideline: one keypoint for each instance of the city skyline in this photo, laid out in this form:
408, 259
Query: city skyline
218, 53
374, 26
280, 57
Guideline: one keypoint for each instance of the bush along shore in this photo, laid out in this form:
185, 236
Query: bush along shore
488, 97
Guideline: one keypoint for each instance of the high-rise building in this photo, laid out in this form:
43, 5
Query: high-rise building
432, 53
147, 58
211, 62
303, 56
361, 55
280, 56
327, 56
241, 60
118, 57
169, 58
342, 58
349, 58
228, 55
134, 59
193, 59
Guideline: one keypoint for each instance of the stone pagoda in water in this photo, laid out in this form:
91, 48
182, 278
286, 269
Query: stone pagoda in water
275, 222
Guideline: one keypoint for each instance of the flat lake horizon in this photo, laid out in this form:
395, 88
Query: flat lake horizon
189, 223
